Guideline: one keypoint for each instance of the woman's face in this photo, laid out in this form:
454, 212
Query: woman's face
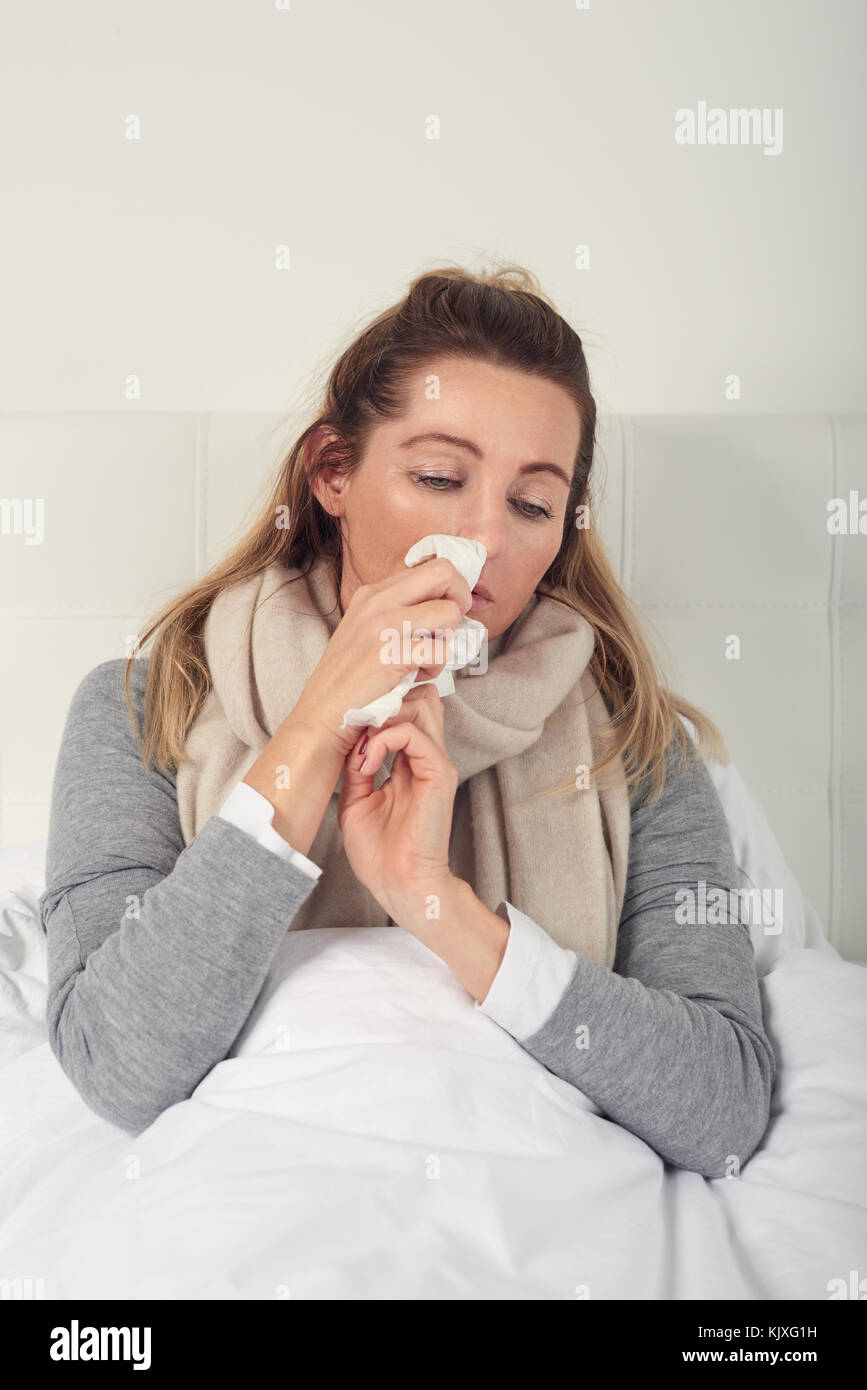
492, 487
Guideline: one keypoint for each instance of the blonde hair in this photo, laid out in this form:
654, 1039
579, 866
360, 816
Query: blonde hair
501, 317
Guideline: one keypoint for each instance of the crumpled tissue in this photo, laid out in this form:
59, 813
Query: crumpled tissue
468, 557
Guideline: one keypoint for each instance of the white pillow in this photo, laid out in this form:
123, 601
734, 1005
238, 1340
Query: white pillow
762, 865
22, 866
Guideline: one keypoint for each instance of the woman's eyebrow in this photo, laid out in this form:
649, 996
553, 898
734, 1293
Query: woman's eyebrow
437, 437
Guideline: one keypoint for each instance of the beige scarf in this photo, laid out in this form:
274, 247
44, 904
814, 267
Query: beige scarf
529, 723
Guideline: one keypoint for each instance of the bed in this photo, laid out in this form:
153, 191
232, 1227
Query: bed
373, 1135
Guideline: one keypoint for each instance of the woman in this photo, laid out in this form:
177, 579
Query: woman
182, 847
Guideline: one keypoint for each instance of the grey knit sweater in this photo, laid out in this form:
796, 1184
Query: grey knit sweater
157, 952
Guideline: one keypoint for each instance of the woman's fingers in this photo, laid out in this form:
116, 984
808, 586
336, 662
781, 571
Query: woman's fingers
430, 649
427, 759
431, 579
422, 708
357, 785
423, 705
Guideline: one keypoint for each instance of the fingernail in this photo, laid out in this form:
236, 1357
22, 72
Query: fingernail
363, 744
361, 765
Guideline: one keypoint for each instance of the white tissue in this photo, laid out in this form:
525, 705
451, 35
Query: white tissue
468, 558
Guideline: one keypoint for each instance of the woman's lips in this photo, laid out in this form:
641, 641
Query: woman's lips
481, 597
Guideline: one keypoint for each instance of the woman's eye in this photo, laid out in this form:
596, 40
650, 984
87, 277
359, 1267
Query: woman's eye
536, 510
431, 478
530, 510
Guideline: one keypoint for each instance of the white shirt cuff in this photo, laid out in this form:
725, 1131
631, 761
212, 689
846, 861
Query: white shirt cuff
251, 811
531, 980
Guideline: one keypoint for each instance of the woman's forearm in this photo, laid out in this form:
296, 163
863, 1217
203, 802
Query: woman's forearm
464, 933
692, 1077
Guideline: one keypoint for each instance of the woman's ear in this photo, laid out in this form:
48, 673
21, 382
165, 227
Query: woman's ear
326, 481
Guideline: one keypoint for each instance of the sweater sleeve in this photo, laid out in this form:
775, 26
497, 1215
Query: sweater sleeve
671, 1044
253, 812
156, 951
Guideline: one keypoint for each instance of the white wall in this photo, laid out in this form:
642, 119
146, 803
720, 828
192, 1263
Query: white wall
306, 126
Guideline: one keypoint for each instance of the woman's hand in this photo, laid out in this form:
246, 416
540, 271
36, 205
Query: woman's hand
430, 597
397, 838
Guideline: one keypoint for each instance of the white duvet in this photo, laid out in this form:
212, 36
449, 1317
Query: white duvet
373, 1135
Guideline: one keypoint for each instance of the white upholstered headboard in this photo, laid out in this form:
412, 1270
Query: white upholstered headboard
717, 526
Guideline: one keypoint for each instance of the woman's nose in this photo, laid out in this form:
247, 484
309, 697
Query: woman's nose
483, 525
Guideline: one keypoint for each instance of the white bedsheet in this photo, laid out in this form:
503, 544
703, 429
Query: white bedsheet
372, 1135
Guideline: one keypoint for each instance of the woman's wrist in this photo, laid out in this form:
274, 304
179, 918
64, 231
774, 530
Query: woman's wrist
324, 730
297, 772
